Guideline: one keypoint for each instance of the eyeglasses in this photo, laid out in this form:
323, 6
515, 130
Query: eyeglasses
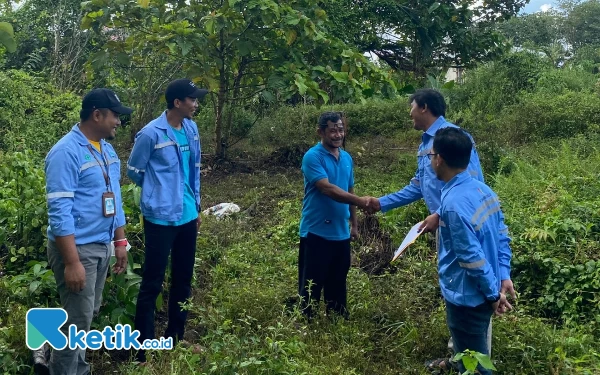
431, 154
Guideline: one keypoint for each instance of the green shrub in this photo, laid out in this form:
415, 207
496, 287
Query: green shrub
551, 203
490, 87
23, 212
34, 114
569, 78
542, 115
298, 124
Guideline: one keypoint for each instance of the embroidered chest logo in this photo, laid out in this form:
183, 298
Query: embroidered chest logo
166, 137
88, 157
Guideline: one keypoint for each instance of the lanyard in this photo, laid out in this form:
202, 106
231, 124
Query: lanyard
105, 163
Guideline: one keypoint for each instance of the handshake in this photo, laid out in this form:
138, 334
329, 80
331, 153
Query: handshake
369, 205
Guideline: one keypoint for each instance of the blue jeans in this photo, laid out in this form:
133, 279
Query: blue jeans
469, 329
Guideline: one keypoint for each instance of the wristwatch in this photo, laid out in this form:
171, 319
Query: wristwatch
494, 300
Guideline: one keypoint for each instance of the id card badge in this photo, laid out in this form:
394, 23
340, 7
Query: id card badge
108, 204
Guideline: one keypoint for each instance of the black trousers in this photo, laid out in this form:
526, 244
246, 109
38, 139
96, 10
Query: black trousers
160, 240
323, 266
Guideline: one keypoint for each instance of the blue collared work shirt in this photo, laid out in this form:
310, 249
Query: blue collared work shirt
322, 215
425, 183
475, 256
156, 164
74, 187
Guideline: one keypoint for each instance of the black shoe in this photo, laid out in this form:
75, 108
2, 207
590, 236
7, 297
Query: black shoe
41, 357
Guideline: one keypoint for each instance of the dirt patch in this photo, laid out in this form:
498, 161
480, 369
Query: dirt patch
288, 156
373, 251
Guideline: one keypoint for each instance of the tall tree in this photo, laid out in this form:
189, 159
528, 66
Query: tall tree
413, 35
540, 31
245, 51
49, 39
582, 24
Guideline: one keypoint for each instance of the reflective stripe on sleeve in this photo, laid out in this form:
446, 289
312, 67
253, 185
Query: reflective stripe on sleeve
60, 194
165, 144
472, 265
135, 169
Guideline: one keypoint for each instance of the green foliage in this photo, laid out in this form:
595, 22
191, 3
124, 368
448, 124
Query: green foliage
532, 100
34, 288
560, 33
542, 115
299, 123
7, 37
14, 356
23, 214
478, 101
471, 359
243, 51
34, 113
583, 24
50, 41
119, 297
419, 36
551, 205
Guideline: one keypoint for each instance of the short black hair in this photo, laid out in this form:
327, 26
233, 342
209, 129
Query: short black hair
86, 113
454, 146
432, 98
328, 116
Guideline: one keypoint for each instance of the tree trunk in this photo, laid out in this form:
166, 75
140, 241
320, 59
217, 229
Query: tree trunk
220, 147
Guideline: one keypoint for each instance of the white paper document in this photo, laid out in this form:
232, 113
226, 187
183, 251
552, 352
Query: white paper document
412, 235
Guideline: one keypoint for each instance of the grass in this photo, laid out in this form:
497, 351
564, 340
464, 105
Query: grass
242, 311
246, 273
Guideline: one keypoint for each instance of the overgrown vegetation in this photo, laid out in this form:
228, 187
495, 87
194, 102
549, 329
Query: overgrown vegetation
534, 113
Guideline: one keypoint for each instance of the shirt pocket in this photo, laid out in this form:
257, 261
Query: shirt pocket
166, 156
91, 176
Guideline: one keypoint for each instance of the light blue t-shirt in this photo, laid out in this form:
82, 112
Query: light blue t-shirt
189, 201
321, 215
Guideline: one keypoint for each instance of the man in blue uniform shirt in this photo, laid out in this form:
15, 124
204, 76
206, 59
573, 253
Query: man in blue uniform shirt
427, 110
329, 203
165, 162
475, 255
85, 214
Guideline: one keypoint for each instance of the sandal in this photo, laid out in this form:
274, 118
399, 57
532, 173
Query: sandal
440, 366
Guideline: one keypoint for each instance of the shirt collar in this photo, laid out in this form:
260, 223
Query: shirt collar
435, 126
82, 139
323, 150
163, 123
460, 178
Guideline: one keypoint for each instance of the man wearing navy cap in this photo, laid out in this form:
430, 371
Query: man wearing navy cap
85, 215
165, 162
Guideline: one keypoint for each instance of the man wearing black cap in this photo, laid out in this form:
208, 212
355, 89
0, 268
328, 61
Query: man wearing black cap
165, 162
85, 216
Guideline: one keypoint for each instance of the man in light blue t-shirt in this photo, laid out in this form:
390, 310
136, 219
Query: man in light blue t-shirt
165, 162
329, 203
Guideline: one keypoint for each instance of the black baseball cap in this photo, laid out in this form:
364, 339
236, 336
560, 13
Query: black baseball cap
104, 98
183, 88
